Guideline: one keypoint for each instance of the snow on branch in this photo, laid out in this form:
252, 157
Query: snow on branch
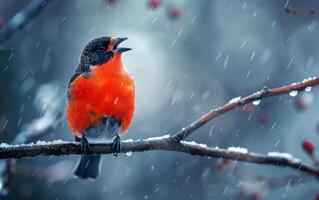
59, 147
291, 89
176, 142
21, 19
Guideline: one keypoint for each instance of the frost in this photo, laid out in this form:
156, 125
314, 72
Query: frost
235, 100
280, 155
237, 149
157, 138
129, 140
4, 145
40, 142
308, 79
194, 143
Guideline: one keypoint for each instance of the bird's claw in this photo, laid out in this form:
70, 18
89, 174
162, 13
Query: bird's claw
85, 145
116, 146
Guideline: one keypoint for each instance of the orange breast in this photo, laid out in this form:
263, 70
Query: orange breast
108, 91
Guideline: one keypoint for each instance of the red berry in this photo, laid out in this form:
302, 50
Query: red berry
111, 2
317, 196
2, 21
308, 146
175, 13
264, 119
221, 164
303, 101
154, 3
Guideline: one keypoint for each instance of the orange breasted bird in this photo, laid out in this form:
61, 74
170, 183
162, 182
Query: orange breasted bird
101, 100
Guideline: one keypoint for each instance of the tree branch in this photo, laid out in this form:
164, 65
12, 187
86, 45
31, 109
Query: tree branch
299, 12
21, 19
236, 102
175, 143
167, 143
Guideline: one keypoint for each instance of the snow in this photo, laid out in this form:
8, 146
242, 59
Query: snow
308, 79
129, 140
193, 143
4, 145
157, 138
280, 155
237, 149
39, 142
235, 100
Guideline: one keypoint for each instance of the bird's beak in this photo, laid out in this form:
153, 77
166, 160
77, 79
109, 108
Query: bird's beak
122, 49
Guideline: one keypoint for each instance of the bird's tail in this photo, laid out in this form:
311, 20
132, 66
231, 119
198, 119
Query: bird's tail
88, 167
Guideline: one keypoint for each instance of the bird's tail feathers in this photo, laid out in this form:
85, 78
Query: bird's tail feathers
88, 167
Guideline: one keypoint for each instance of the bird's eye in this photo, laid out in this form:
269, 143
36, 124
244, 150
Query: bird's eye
100, 48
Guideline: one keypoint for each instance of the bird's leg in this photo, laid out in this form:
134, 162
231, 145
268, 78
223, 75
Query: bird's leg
77, 139
116, 146
85, 145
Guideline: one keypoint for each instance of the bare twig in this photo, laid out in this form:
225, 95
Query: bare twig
21, 19
232, 104
160, 143
299, 12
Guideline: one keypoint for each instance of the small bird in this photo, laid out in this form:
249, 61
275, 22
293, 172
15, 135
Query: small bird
101, 101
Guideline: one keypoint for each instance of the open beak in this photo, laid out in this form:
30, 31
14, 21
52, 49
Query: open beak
121, 49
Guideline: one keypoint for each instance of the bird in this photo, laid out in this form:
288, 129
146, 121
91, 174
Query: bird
101, 101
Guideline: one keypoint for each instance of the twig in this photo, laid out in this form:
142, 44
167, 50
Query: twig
21, 19
160, 143
299, 12
232, 104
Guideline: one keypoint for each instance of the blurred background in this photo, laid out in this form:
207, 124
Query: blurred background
188, 57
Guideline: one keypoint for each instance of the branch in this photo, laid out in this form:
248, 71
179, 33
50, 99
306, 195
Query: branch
167, 143
21, 19
236, 102
299, 12
175, 143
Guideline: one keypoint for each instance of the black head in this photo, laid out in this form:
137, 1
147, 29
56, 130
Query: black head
100, 50
96, 52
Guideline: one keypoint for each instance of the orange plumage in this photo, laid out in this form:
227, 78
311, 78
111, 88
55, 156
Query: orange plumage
108, 91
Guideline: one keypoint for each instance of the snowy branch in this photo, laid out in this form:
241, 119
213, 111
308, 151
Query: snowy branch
21, 19
240, 101
176, 142
167, 143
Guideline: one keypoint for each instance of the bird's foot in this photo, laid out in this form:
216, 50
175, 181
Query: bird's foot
116, 146
85, 145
